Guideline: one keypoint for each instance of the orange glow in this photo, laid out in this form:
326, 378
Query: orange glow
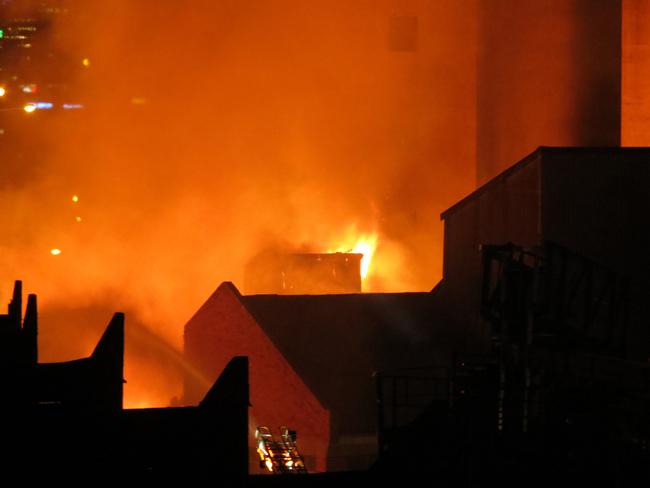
141, 402
55, 251
264, 134
3, 91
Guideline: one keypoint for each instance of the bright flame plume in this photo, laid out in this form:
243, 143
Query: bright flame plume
365, 244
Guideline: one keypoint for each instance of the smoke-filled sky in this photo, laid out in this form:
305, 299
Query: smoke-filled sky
213, 130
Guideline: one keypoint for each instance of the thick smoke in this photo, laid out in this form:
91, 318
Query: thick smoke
213, 130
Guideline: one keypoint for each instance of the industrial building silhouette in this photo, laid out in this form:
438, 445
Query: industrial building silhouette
530, 356
66, 421
527, 364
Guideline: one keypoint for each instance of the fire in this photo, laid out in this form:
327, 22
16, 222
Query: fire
365, 244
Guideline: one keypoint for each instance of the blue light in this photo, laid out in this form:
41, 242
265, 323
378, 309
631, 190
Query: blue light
43, 105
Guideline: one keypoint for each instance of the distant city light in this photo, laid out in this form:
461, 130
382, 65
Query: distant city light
72, 106
75, 198
78, 219
2, 91
85, 62
2, 33
55, 251
31, 88
30, 107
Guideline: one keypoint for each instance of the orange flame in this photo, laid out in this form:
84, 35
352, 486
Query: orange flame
365, 244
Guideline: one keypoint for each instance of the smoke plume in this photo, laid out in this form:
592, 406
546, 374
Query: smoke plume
212, 130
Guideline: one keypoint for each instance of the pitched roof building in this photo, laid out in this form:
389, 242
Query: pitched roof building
313, 357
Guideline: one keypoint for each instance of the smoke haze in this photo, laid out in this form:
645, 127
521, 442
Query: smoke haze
214, 130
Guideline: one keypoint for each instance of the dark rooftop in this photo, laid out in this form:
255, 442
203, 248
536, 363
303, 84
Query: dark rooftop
336, 342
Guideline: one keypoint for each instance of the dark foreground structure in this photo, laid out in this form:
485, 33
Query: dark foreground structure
528, 365
312, 361
63, 421
546, 277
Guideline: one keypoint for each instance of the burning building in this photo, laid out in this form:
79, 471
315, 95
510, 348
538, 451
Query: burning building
304, 273
540, 318
326, 116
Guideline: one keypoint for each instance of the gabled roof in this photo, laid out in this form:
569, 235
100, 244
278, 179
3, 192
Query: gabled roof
336, 342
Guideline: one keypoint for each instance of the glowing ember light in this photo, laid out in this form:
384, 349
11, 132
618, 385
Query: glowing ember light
29, 108
3, 91
78, 219
85, 62
55, 251
75, 198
